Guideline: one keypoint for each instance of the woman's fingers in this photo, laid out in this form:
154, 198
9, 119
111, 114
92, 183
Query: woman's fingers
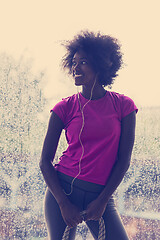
71, 215
73, 222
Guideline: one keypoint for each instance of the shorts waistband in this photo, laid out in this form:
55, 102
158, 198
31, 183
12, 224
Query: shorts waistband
84, 185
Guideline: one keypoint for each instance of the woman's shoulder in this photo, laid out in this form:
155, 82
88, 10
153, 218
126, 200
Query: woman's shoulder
63, 107
65, 102
119, 96
116, 94
69, 99
122, 103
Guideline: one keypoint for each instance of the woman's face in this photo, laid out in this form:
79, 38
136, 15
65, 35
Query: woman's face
82, 70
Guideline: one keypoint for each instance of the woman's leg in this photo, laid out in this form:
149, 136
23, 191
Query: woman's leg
55, 223
113, 224
81, 198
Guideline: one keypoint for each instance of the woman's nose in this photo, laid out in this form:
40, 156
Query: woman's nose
77, 66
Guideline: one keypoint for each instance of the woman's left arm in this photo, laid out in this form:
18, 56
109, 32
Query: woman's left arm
96, 208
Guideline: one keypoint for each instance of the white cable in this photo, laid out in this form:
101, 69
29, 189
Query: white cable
101, 235
80, 136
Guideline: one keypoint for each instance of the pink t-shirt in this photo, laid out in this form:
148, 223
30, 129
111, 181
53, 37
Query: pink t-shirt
100, 135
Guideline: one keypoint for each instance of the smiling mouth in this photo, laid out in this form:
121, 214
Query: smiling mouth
78, 75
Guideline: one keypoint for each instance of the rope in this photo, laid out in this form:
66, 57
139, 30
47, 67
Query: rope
102, 231
101, 234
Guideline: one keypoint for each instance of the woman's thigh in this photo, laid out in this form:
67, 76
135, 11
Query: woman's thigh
55, 223
113, 224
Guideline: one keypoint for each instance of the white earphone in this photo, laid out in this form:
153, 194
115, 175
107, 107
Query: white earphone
102, 230
81, 109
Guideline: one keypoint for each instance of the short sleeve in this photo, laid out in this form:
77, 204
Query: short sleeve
61, 110
127, 106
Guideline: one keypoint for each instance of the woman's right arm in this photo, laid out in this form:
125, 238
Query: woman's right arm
55, 127
49, 173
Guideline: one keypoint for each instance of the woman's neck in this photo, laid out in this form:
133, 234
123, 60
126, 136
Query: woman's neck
98, 92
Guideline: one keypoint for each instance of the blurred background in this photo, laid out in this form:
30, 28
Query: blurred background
32, 82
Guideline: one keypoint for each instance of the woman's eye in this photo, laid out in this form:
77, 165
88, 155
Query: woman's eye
84, 62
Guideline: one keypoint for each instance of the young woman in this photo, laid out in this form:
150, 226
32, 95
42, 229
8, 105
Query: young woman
100, 129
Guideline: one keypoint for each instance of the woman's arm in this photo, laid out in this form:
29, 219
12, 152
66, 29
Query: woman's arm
96, 208
48, 152
69, 212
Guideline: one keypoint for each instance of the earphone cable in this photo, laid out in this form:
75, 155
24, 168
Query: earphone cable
81, 109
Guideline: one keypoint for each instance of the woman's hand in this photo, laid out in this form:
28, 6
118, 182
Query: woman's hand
95, 210
70, 214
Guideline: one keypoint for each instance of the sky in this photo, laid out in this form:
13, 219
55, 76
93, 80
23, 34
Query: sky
35, 28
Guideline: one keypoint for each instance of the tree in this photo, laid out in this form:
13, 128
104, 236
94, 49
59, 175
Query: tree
21, 131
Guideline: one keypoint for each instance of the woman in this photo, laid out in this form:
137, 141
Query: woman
100, 129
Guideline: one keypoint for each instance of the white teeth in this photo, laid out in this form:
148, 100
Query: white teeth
78, 75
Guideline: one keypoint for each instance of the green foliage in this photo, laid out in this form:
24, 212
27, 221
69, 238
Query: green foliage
21, 101
147, 142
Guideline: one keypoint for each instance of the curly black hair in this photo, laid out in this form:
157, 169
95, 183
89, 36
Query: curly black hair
103, 51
